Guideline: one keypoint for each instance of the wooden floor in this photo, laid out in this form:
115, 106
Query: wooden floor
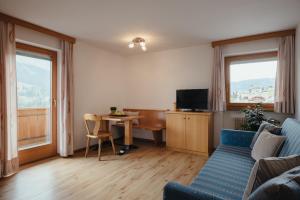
140, 174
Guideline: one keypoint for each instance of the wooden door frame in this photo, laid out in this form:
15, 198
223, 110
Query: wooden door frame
48, 150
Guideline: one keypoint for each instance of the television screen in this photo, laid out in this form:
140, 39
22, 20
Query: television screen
195, 99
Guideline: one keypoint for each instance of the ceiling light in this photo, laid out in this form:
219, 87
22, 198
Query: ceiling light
131, 45
138, 42
144, 48
142, 44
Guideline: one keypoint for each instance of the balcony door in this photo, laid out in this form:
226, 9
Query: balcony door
36, 102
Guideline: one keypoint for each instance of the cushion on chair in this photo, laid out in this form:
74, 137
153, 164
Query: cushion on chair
267, 145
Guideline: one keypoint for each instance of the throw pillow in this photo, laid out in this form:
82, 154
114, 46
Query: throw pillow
267, 145
283, 187
131, 113
268, 126
268, 168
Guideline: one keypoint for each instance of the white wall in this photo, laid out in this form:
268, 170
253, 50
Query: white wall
154, 77
298, 72
98, 82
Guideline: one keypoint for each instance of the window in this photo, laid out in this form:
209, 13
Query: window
36, 102
33, 80
250, 79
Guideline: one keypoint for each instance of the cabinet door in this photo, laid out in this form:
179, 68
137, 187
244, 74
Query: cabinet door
175, 132
197, 133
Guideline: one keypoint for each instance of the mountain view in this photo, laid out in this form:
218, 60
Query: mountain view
253, 91
33, 83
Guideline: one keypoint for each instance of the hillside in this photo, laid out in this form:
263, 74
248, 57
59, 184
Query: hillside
247, 84
33, 86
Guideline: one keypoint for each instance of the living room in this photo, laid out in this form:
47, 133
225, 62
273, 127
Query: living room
134, 58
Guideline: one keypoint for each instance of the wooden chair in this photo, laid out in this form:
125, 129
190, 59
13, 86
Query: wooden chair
96, 133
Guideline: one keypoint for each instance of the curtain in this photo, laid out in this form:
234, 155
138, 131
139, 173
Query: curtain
65, 101
285, 76
217, 94
9, 161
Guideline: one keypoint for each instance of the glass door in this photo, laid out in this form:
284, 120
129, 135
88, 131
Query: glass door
36, 102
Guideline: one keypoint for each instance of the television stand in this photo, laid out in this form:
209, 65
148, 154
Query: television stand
190, 132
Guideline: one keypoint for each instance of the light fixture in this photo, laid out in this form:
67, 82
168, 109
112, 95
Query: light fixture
144, 48
142, 44
131, 45
138, 42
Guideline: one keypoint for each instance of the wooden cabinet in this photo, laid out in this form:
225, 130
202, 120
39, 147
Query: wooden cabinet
175, 124
190, 132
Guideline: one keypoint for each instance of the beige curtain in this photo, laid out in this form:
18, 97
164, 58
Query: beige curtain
65, 101
9, 161
285, 76
217, 91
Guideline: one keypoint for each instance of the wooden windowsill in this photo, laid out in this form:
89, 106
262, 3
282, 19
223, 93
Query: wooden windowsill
240, 106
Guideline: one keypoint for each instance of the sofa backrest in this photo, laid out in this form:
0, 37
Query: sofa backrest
291, 129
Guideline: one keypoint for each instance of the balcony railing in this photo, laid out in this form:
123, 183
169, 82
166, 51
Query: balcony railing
33, 127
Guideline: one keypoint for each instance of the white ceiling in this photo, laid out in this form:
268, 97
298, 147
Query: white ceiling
165, 24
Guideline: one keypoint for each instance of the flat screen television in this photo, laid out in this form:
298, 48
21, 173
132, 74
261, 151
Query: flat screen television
192, 99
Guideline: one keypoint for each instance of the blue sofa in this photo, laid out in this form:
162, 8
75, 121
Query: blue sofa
225, 174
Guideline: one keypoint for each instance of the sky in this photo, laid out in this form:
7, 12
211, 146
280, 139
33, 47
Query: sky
255, 70
37, 62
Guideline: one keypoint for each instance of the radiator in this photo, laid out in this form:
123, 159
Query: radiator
238, 122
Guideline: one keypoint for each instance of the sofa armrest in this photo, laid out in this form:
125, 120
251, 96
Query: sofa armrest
176, 191
237, 137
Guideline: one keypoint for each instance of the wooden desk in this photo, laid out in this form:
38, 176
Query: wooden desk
127, 125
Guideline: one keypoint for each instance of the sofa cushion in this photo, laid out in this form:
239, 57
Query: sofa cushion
267, 145
291, 129
268, 168
265, 126
236, 137
225, 174
177, 191
283, 187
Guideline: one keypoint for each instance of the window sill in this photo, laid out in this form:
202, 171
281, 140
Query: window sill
241, 106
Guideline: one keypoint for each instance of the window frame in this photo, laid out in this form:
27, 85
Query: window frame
244, 57
27, 155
